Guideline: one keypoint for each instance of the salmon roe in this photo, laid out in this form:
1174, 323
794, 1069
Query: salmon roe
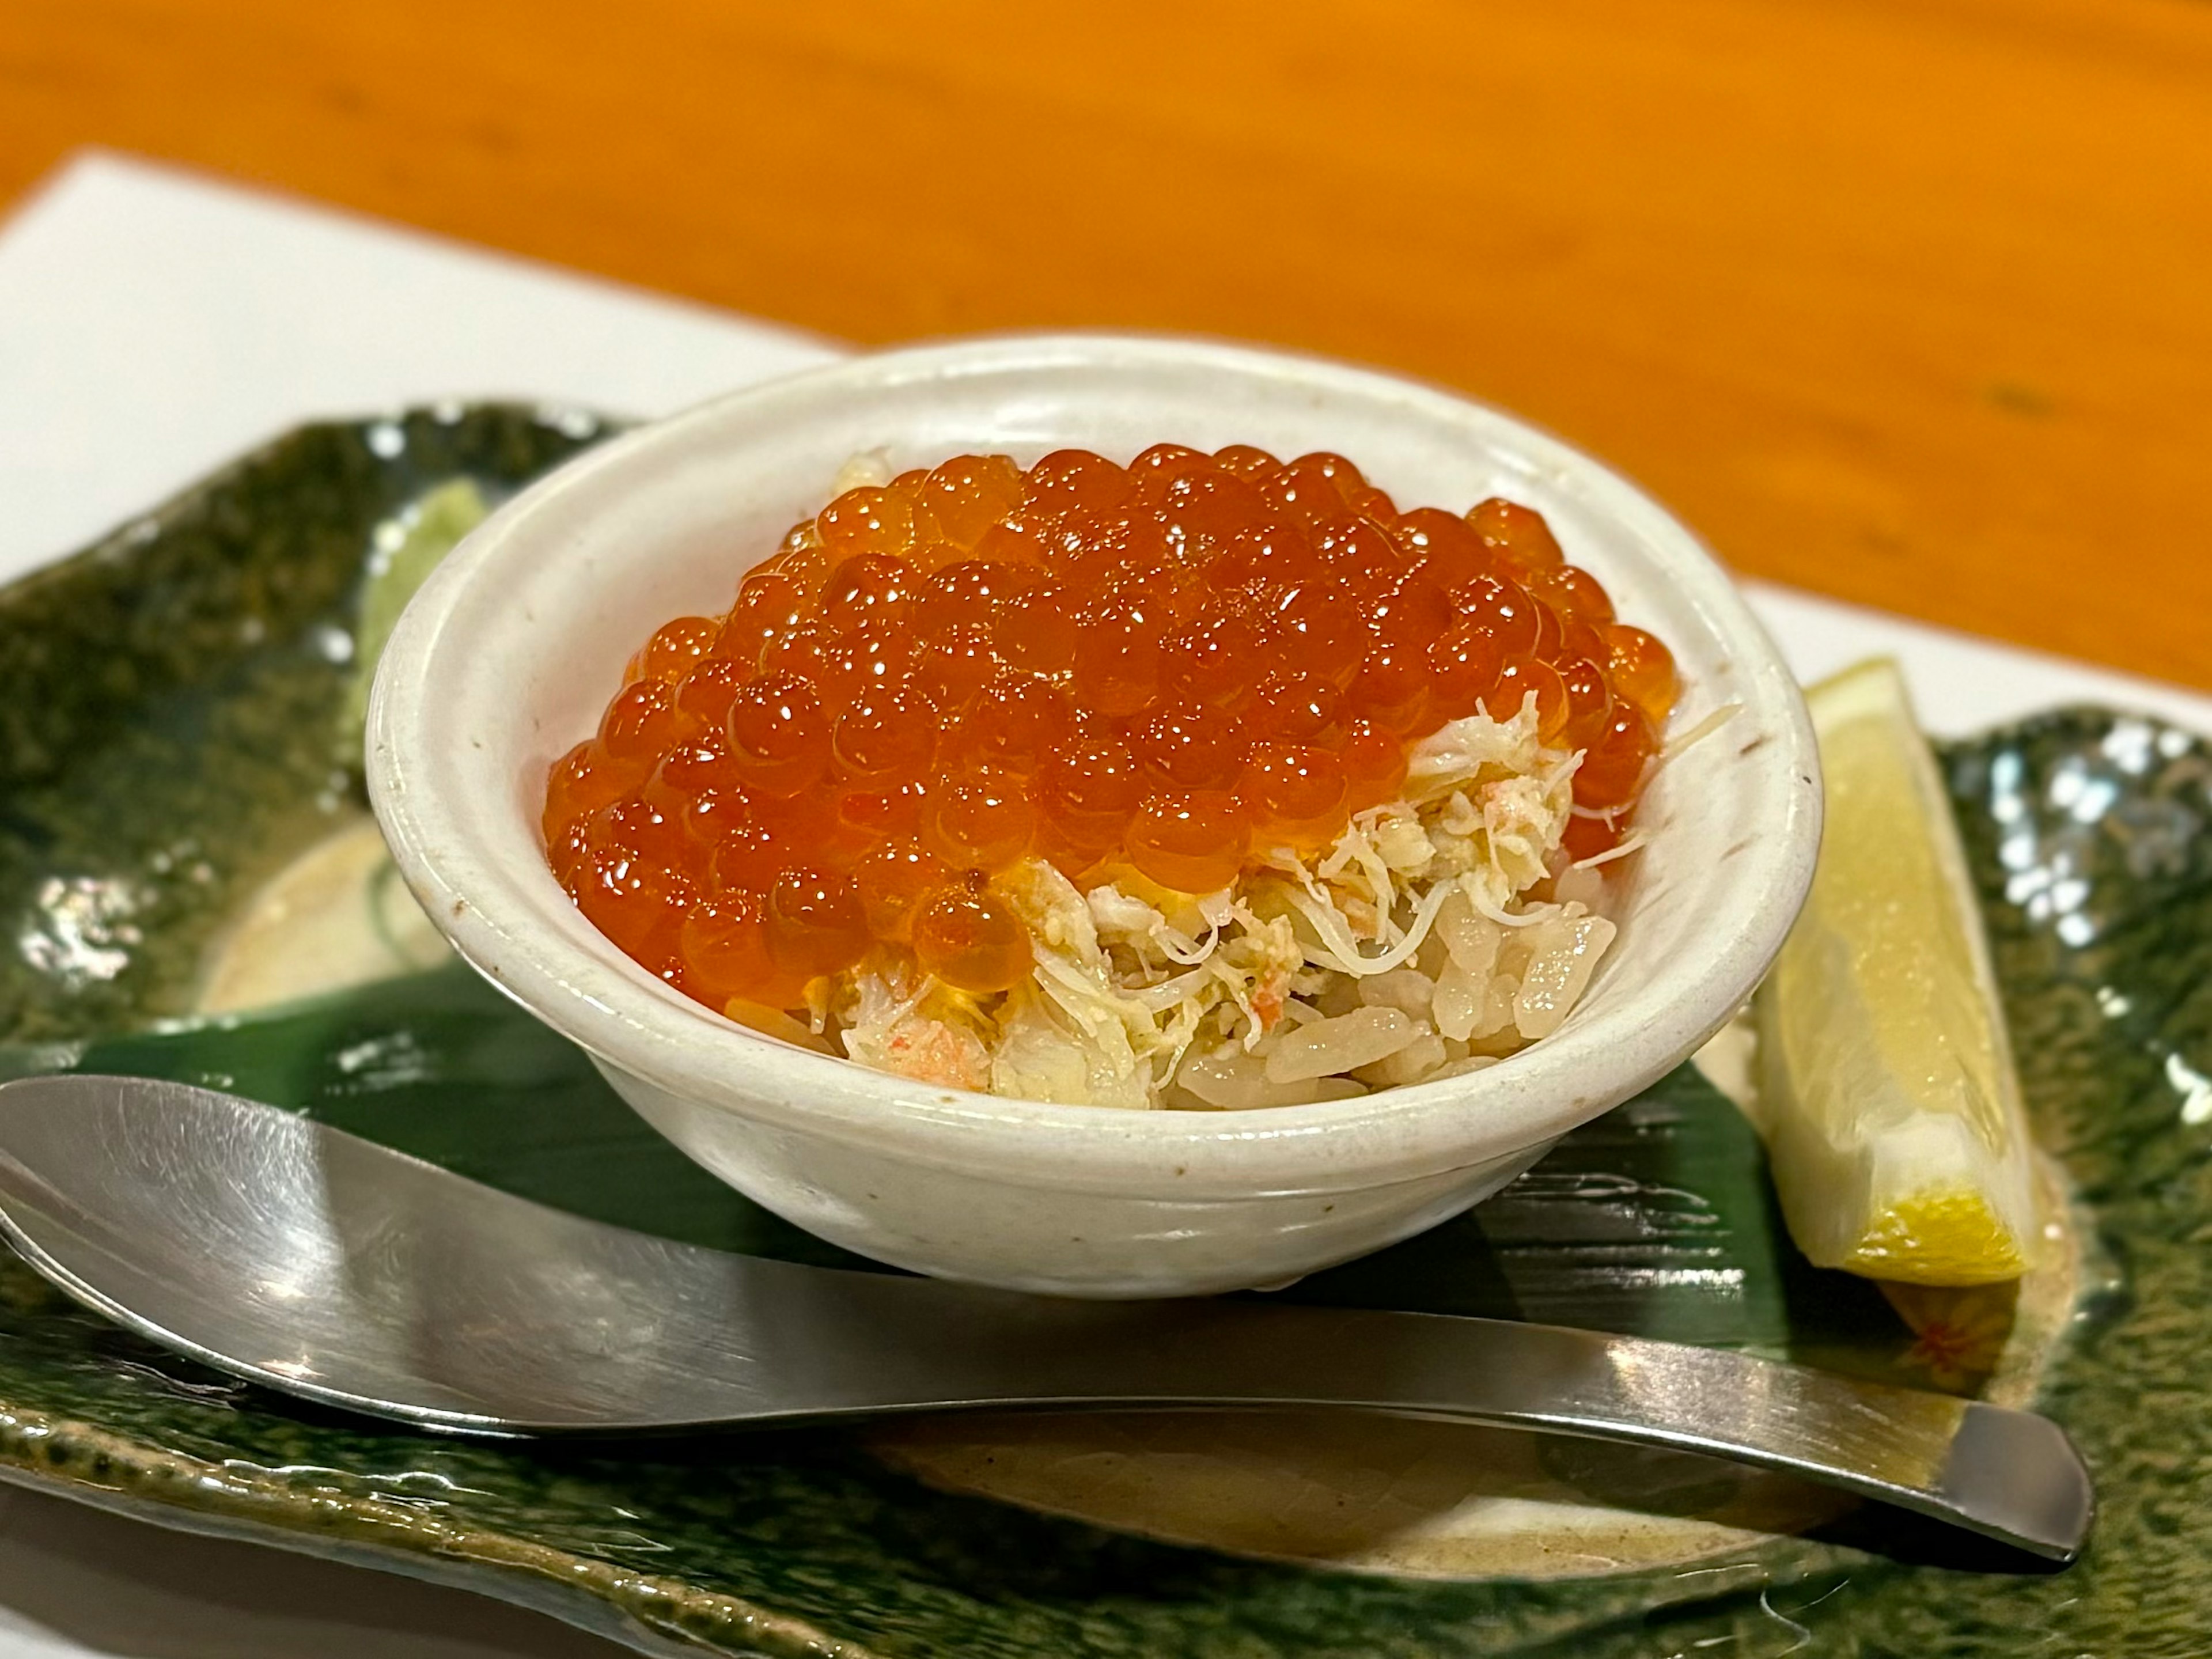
1177, 666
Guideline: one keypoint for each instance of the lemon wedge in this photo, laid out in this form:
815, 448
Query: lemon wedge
1887, 1091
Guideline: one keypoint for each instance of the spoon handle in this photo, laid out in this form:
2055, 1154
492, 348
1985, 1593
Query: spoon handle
2006, 1474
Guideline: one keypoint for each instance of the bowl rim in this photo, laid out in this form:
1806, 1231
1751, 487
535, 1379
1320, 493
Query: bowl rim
631, 1021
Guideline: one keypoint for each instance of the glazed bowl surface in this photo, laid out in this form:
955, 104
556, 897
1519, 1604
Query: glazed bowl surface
506, 657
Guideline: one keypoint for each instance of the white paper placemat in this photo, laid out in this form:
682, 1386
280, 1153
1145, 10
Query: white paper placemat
152, 324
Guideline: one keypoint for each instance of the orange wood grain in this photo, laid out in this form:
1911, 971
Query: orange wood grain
1907, 302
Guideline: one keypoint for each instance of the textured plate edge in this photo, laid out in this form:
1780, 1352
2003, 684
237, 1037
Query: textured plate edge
37, 1452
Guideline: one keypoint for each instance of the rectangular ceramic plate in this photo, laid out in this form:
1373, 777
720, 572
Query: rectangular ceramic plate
149, 803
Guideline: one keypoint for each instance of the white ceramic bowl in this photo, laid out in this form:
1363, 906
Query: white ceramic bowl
513, 647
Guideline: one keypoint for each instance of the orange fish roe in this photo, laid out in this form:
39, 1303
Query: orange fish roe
1173, 665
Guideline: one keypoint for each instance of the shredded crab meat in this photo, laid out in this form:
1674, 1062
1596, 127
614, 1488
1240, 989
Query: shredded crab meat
1440, 934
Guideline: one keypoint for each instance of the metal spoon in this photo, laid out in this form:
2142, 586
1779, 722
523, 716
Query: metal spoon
313, 1262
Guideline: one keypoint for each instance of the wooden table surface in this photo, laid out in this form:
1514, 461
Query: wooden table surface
1908, 302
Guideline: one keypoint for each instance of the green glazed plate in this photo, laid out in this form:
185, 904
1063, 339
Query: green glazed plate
189, 889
